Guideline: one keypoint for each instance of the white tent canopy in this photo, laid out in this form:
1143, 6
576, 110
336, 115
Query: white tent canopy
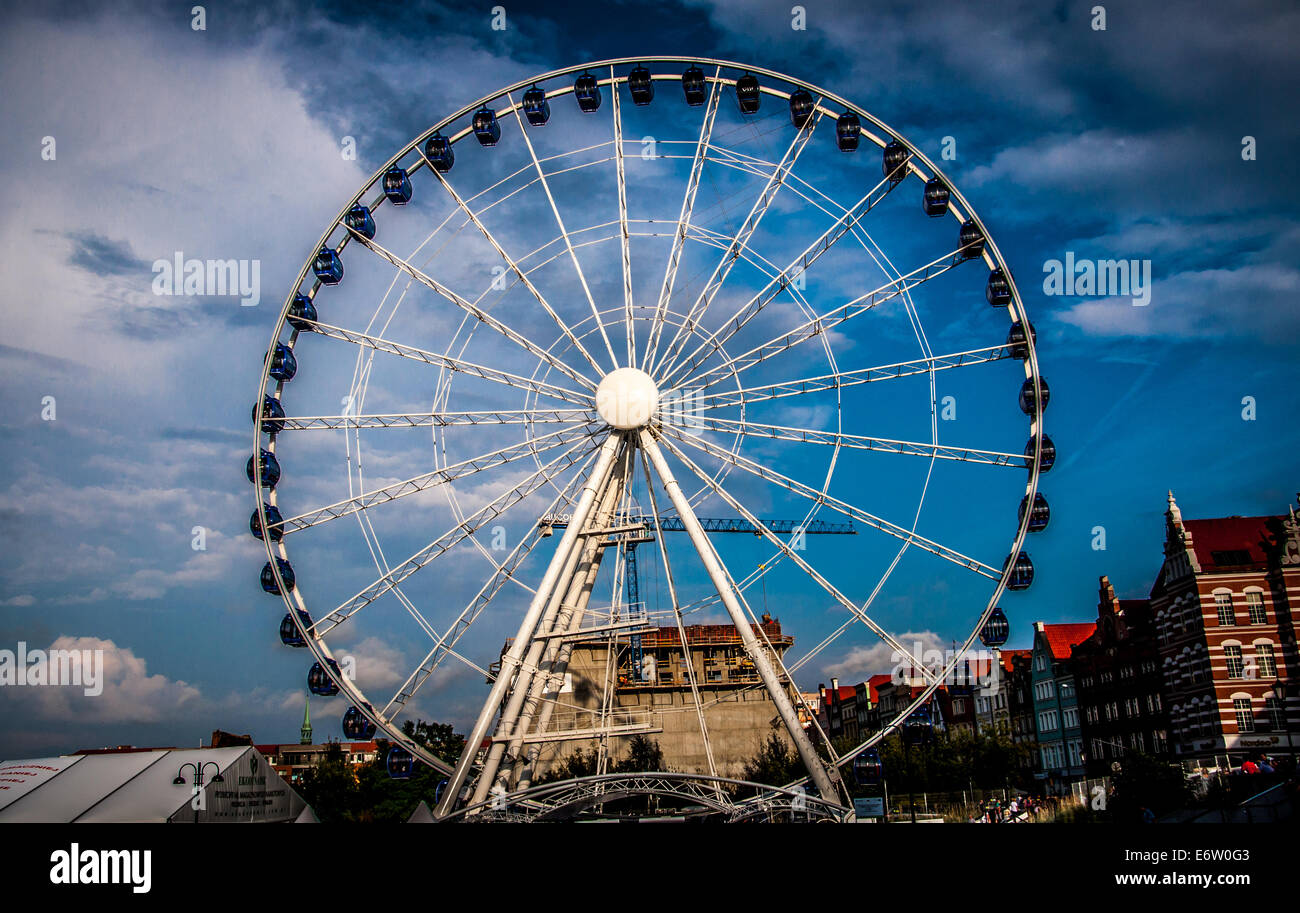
137, 786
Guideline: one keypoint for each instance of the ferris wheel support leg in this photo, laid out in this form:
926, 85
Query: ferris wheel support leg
511, 660
556, 652
509, 722
825, 781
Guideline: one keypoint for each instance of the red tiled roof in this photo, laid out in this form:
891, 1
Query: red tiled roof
873, 686
1229, 535
1009, 658
1062, 638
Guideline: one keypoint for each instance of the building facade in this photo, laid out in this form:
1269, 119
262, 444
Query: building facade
1224, 606
1120, 685
603, 694
1057, 720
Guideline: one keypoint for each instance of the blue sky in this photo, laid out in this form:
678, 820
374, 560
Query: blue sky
1123, 143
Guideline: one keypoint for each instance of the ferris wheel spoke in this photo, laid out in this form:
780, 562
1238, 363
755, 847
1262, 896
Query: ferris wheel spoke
438, 419
624, 240
452, 537
444, 645
740, 242
510, 262
378, 343
864, 442
798, 267
677, 619
792, 554
829, 320
528, 447
840, 380
568, 241
483, 316
839, 506
683, 221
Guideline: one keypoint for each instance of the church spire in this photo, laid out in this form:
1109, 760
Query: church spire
305, 738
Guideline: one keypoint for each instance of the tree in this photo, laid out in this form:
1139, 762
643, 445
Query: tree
775, 764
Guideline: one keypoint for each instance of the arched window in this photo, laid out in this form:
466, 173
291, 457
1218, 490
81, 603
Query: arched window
1232, 656
1255, 606
1223, 604
1242, 710
1265, 664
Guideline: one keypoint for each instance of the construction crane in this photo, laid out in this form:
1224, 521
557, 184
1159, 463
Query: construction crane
642, 526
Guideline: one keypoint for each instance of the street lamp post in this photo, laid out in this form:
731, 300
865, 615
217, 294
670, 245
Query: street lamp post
198, 779
1280, 690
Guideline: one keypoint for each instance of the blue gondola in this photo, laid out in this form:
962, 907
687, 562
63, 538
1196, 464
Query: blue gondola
587, 93
300, 311
487, 129
918, 728
437, 149
266, 465
998, 291
1022, 573
1039, 516
848, 132
971, 240
274, 521
328, 267
536, 108
868, 769
801, 107
1028, 398
996, 630
892, 160
272, 415
361, 221
397, 186
693, 86
357, 726
1046, 458
283, 366
1016, 339
748, 95
641, 86
400, 763
321, 682
935, 201
290, 636
286, 574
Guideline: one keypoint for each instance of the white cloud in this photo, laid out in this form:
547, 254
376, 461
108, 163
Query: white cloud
862, 662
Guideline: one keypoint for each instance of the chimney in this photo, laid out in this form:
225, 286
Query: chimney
835, 685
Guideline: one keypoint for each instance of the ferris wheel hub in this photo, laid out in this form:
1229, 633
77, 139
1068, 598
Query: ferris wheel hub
626, 398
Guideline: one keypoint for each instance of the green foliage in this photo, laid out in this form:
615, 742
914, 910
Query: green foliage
337, 793
775, 764
644, 754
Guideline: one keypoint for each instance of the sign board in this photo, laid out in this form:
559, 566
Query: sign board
869, 807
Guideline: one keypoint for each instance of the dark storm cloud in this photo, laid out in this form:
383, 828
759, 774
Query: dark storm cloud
104, 256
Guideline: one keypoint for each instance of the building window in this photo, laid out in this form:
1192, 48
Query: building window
1233, 654
1264, 662
1255, 603
1273, 707
1223, 602
1245, 719
1160, 741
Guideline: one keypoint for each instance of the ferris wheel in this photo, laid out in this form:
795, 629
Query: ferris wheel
607, 301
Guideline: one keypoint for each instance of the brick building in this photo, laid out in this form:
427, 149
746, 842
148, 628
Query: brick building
1224, 605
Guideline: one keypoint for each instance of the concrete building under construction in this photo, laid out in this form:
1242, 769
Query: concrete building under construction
604, 690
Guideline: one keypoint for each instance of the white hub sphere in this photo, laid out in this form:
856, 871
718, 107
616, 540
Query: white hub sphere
626, 398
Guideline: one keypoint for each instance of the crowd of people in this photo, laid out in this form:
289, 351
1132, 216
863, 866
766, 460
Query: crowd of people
1024, 809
